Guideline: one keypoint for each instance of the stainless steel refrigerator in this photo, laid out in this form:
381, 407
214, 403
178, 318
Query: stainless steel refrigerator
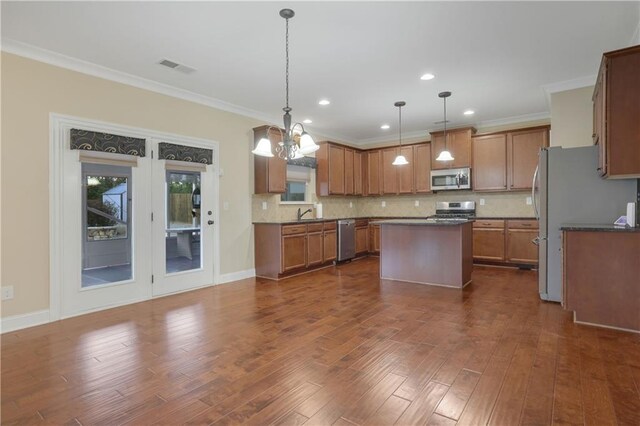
568, 189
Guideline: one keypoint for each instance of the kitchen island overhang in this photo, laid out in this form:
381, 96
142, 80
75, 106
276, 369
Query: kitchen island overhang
427, 251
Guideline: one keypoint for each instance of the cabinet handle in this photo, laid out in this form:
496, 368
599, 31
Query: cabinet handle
526, 224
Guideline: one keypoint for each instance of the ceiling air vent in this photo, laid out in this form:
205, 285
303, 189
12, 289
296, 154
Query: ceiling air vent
176, 66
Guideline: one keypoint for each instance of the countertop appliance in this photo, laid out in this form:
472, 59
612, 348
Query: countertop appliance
346, 239
450, 179
451, 210
568, 189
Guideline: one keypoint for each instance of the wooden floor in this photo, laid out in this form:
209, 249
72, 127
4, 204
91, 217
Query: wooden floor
337, 346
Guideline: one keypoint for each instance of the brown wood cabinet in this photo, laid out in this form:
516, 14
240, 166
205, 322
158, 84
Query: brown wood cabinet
507, 160
315, 243
458, 143
422, 167
349, 171
330, 245
339, 170
294, 249
362, 236
374, 239
520, 248
358, 175
522, 150
389, 171
406, 173
616, 111
489, 240
270, 173
489, 171
336, 170
373, 173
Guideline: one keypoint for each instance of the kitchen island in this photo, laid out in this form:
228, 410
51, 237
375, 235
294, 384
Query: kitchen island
427, 251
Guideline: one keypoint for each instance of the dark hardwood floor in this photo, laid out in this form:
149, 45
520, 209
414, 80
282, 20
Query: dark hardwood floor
337, 346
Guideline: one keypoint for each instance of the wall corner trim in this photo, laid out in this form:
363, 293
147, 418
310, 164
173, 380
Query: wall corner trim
235, 276
18, 322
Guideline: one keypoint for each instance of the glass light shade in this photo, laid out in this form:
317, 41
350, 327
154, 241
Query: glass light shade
307, 145
264, 148
400, 161
444, 156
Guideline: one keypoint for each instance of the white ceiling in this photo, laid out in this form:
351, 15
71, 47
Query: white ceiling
496, 57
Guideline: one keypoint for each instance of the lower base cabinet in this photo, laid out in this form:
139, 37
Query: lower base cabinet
362, 236
488, 240
315, 245
374, 239
330, 242
294, 249
505, 242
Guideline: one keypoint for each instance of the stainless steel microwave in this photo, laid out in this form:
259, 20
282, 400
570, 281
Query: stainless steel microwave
449, 179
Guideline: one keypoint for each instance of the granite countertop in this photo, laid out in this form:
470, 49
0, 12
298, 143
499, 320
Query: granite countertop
422, 222
596, 227
378, 218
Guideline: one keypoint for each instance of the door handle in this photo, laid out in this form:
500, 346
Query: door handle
209, 222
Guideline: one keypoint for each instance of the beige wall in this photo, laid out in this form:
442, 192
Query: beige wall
572, 118
30, 92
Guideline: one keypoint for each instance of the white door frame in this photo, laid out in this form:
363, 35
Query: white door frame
59, 127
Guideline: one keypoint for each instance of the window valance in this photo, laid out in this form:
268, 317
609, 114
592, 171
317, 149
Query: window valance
304, 162
169, 151
105, 142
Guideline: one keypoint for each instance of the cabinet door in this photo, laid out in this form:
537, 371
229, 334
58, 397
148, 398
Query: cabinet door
489, 162
294, 250
373, 172
437, 146
362, 240
488, 244
389, 171
520, 249
460, 147
315, 244
336, 170
270, 173
348, 172
357, 173
405, 173
374, 238
330, 243
523, 158
422, 167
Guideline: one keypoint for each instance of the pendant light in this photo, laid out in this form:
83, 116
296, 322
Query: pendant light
445, 155
400, 159
287, 149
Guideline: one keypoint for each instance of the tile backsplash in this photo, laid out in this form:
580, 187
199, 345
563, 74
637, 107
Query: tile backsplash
506, 204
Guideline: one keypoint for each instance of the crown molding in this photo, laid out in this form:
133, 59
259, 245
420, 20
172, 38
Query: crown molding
514, 119
389, 138
89, 68
561, 86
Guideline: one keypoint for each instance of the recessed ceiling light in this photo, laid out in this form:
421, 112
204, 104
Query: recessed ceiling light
427, 76
385, 127
469, 112
307, 121
324, 102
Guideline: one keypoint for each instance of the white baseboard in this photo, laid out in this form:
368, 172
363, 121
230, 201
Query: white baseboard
18, 322
238, 275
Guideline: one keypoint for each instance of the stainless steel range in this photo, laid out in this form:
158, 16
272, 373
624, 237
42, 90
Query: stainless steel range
458, 210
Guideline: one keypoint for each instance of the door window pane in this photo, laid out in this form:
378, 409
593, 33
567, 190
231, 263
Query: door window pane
183, 236
106, 246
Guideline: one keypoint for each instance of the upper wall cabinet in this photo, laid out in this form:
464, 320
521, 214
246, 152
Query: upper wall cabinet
616, 112
339, 170
373, 172
270, 173
507, 160
422, 167
458, 143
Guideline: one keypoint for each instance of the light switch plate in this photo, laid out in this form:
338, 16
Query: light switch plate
416, 203
350, 204
225, 205
7, 292
264, 205
384, 204
482, 201
528, 201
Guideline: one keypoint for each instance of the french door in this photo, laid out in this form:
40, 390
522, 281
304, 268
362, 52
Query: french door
183, 225
126, 228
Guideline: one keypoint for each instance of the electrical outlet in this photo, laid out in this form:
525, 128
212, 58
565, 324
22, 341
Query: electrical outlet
264, 205
416, 203
528, 201
482, 201
384, 204
225, 205
350, 204
7, 292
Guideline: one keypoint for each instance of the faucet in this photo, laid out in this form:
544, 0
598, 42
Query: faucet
302, 214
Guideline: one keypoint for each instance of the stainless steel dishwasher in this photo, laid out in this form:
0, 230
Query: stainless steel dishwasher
346, 239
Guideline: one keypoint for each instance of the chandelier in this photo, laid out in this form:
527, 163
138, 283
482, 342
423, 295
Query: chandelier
288, 148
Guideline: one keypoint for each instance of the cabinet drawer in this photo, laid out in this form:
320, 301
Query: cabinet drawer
488, 223
314, 227
294, 229
360, 223
328, 226
523, 224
